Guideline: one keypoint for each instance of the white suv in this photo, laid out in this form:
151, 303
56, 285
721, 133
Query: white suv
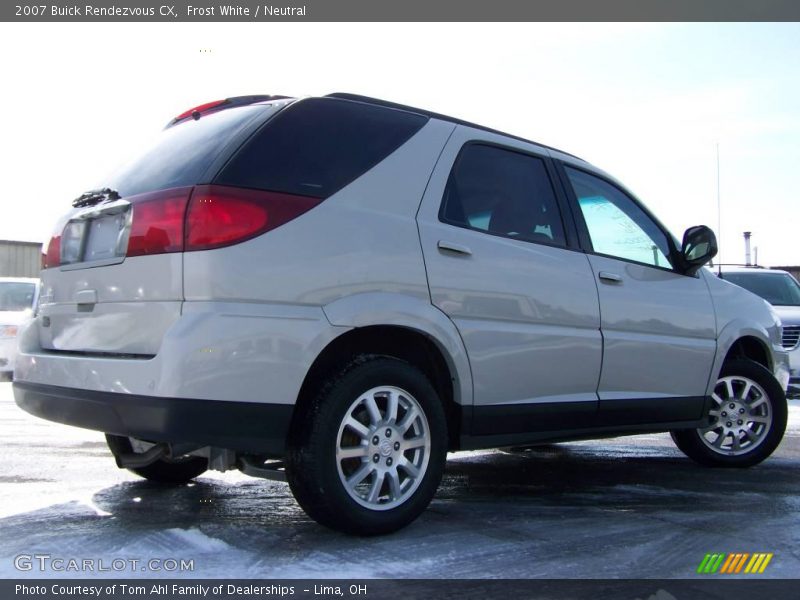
782, 291
340, 290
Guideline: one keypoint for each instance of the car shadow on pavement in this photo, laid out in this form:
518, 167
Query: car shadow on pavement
636, 478
566, 476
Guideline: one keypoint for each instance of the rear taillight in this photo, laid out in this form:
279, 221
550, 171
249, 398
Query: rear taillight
222, 215
199, 218
157, 223
53, 256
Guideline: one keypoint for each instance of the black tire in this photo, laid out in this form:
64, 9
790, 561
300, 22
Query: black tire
165, 471
690, 441
313, 471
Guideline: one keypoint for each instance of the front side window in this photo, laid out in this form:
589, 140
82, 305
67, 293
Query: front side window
504, 193
617, 226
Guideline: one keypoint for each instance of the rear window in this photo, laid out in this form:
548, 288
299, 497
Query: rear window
316, 147
181, 154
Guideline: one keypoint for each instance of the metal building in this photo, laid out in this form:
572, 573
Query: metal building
20, 259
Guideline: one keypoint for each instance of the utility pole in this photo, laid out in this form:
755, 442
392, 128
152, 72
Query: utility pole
719, 217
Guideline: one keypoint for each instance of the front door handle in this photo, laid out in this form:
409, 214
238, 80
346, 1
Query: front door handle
610, 277
451, 247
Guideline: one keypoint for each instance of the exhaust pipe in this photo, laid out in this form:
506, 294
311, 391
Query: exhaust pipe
254, 467
133, 460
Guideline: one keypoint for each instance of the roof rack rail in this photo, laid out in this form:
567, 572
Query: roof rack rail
441, 117
739, 265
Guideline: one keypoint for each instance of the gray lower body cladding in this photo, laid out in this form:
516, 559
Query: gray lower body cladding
248, 427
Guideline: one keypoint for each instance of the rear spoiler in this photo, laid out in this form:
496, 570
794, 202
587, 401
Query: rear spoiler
209, 107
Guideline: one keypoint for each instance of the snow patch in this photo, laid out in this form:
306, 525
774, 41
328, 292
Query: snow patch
184, 541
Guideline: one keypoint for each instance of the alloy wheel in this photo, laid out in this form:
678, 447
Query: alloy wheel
383, 448
741, 416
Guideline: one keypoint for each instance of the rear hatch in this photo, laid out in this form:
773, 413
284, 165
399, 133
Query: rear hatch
113, 278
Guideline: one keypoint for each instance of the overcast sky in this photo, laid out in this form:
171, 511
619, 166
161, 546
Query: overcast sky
647, 102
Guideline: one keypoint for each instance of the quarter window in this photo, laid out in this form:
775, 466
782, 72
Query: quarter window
315, 147
617, 225
502, 192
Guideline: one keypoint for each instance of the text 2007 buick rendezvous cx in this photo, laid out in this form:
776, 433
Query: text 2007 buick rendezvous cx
352, 288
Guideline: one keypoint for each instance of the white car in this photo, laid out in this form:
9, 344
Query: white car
18, 298
352, 288
782, 291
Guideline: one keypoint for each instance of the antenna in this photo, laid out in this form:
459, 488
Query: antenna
719, 218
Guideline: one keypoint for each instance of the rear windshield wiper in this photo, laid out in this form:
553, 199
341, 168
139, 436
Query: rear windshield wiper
93, 197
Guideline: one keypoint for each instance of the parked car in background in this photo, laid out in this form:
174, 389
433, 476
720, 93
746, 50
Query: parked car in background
18, 298
782, 291
350, 288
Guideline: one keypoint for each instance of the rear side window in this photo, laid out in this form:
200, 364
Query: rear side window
504, 193
316, 147
181, 154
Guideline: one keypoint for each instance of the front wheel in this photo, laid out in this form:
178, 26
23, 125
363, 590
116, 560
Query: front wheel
366, 456
746, 421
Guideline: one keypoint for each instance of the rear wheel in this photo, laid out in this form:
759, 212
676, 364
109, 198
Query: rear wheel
746, 422
368, 453
172, 471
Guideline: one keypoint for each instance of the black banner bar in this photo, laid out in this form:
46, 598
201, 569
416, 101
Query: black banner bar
717, 587
405, 10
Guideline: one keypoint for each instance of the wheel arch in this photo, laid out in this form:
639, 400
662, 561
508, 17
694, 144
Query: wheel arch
741, 340
752, 348
406, 328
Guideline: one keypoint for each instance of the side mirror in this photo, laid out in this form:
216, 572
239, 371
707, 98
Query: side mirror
699, 246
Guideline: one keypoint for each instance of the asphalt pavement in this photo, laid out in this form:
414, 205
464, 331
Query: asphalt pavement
631, 507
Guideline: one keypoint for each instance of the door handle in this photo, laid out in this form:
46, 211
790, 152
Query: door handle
457, 248
86, 297
610, 277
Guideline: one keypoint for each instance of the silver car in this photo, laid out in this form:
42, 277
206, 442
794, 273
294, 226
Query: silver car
340, 290
782, 291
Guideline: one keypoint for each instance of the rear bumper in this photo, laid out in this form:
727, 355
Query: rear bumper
250, 427
233, 352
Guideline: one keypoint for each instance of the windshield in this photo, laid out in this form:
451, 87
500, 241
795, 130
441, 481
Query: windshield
779, 290
16, 296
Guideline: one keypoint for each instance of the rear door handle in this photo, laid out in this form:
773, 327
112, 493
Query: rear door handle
451, 247
610, 277
86, 297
